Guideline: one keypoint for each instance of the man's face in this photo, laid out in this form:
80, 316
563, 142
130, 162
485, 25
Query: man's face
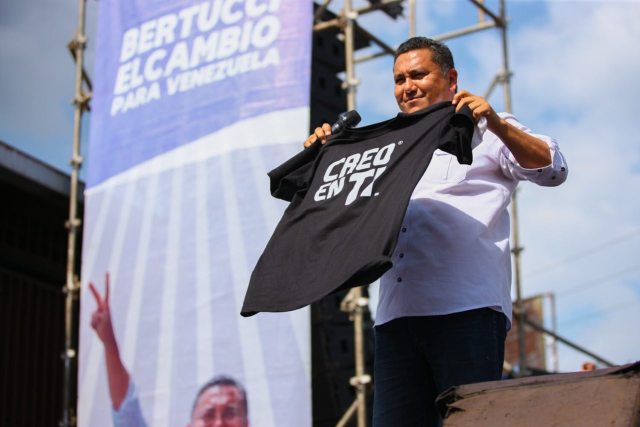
220, 406
419, 82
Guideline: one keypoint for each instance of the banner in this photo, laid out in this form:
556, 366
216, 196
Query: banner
194, 101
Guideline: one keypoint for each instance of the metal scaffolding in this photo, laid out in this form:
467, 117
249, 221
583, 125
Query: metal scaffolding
71, 289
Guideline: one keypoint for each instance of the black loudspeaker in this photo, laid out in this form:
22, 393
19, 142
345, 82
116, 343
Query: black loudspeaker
604, 397
333, 360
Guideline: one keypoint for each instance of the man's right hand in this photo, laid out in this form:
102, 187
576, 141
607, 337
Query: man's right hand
117, 374
320, 133
101, 317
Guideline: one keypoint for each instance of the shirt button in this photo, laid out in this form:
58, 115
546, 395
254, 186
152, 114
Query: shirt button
539, 170
562, 169
401, 255
399, 279
404, 229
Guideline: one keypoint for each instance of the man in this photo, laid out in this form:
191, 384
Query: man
445, 306
222, 402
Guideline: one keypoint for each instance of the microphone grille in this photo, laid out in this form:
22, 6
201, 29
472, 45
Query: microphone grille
351, 118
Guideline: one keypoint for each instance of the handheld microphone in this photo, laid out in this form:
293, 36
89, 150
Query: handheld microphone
345, 120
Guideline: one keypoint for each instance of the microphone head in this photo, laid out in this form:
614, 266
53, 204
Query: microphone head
346, 120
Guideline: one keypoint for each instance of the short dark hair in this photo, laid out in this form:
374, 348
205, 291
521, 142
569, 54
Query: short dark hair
222, 380
440, 53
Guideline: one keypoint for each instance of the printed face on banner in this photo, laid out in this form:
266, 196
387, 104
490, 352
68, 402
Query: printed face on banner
220, 406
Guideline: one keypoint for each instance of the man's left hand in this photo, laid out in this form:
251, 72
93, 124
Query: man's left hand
478, 106
529, 151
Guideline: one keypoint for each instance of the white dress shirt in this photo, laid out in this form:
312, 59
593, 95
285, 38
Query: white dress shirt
453, 249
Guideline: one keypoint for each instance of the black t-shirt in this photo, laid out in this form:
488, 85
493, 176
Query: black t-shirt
348, 199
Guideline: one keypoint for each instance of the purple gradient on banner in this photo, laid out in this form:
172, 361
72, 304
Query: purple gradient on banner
121, 141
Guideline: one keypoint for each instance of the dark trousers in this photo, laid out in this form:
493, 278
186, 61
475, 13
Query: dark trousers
417, 358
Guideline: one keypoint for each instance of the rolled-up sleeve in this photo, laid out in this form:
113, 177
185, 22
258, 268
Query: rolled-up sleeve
549, 176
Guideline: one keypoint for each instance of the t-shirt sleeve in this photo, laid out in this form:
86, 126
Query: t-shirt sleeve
295, 174
457, 136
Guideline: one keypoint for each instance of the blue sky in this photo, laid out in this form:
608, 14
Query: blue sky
575, 71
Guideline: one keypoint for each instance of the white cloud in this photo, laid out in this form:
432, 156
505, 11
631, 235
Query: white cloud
574, 79
603, 320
